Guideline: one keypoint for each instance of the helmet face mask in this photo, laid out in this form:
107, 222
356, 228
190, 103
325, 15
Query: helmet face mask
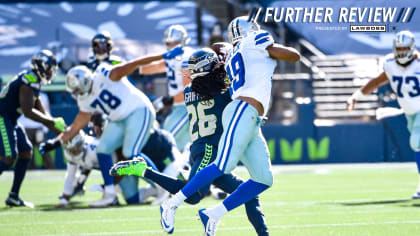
44, 65
404, 47
79, 80
175, 35
102, 46
75, 146
240, 27
202, 62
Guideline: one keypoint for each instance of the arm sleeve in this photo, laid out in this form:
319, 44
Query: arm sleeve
262, 40
69, 179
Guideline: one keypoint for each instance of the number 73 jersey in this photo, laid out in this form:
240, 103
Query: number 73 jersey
116, 99
405, 81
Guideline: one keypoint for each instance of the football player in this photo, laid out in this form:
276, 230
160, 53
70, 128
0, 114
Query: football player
206, 97
250, 66
108, 91
21, 96
177, 121
401, 70
102, 46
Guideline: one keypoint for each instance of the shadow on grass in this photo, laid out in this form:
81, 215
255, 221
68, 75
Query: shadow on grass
380, 202
78, 206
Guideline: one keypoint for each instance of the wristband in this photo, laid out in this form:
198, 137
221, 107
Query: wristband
355, 96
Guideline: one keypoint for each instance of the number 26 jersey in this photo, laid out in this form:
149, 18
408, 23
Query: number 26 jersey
250, 68
405, 81
117, 99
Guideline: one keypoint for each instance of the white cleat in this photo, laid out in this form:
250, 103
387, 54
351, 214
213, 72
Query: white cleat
416, 195
167, 216
107, 200
210, 224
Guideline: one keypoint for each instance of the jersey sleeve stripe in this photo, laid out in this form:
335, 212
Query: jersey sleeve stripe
261, 41
261, 35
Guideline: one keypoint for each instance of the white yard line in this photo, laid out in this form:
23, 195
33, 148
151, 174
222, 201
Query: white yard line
271, 227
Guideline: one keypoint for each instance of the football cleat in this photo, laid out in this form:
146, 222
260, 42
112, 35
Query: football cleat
416, 195
167, 216
137, 166
107, 200
210, 224
14, 201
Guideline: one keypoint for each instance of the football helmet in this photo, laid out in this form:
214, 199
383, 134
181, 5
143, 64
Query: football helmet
175, 34
44, 65
240, 27
102, 45
75, 147
79, 80
404, 47
202, 62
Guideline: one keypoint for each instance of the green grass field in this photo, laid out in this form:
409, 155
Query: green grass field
305, 200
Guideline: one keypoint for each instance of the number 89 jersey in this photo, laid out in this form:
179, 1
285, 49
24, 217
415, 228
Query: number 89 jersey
117, 99
250, 68
405, 81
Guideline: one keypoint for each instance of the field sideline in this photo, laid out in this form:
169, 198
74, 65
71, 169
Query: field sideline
357, 199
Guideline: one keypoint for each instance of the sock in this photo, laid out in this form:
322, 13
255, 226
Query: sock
20, 171
105, 163
256, 216
218, 211
109, 189
202, 178
3, 166
417, 157
178, 198
244, 193
170, 184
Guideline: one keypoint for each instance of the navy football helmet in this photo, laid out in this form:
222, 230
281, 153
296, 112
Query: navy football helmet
202, 62
102, 45
44, 65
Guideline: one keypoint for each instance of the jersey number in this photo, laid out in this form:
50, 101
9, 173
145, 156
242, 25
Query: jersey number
206, 123
236, 72
105, 97
410, 80
171, 77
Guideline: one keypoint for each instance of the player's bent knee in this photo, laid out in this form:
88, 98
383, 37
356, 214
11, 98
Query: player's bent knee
8, 160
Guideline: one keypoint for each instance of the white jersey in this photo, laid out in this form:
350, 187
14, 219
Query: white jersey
405, 81
117, 99
173, 71
88, 159
250, 68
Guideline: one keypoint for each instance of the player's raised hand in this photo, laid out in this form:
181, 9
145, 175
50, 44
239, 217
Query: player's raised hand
176, 51
60, 124
49, 145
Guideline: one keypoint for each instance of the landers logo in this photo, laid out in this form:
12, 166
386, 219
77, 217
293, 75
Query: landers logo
343, 15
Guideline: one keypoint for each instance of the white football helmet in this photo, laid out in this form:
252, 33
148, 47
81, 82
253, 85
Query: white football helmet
240, 27
79, 80
176, 33
75, 147
404, 47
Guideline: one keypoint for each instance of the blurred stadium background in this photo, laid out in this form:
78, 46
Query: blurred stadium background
308, 122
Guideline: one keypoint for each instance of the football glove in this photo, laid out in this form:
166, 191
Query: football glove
49, 145
60, 124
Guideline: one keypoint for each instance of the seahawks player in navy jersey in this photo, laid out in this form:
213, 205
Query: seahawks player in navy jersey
21, 96
205, 98
102, 45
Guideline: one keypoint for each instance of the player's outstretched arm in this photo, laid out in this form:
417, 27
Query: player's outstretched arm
81, 121
153, 68
366, 89
289, 54
26, 103
127, 68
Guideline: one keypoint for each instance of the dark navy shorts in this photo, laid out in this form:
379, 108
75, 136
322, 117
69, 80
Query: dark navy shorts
13, 139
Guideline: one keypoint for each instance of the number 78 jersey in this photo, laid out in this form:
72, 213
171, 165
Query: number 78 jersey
250, 68
116, 99
405, 82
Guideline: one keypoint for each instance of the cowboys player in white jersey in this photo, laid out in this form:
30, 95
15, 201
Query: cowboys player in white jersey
402, 71
176, 69
108, 91
250, 67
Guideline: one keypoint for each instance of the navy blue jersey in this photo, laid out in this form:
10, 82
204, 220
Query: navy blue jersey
205, 119
9, 96
112, 60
